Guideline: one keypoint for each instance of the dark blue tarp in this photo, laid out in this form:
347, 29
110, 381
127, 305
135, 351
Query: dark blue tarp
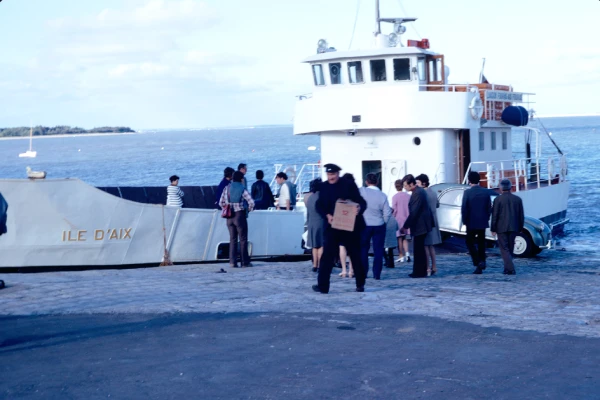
194, 196
515, 116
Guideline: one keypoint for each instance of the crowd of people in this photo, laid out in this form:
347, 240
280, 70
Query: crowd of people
378, 226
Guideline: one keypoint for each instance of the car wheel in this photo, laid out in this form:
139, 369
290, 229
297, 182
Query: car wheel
524, 246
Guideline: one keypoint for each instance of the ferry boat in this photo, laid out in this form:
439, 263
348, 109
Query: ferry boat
389, 110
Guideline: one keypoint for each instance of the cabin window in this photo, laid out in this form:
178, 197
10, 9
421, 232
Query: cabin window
355, 74
493, 140
439, 69
481, 141
402, 69
318, 75
335, 73
504, 140
421, 69
378, 71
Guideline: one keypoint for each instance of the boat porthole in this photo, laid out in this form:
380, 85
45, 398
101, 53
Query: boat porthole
417, 140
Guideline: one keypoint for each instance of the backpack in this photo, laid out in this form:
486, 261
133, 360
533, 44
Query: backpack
293, 192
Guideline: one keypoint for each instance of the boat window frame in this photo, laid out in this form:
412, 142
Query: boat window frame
504, 140
378, 60
408, 72
422, 69
320, 66
481, 141
493, 140
340, 77
354, 63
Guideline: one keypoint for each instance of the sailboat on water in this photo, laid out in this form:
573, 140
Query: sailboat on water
29, 153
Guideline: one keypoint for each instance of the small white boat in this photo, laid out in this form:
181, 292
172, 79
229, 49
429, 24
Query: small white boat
29, 153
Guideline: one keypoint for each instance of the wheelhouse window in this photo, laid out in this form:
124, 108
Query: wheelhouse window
378, 71
402, 69
481, 141
318, 75
493, 140
504, 140
421, 69
355, 74
335, 73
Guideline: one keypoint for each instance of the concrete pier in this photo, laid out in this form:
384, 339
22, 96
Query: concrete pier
261, 332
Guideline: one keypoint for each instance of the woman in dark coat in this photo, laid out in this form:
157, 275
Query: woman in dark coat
433, 237
314, 223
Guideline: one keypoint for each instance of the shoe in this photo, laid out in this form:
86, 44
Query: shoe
513, 272
343, 274
377, 278
350, 275
417, 276
407, 258
317, 289
433, 272
315, 269
360, 289
400, 260
428, 272
247, 265
234, 265
478, 271
482, 265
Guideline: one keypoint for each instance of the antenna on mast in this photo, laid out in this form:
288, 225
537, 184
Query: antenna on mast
377, 19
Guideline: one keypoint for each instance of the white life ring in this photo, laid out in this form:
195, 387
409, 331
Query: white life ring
550, 169
492, 176
476, 107
564, 170
291, 174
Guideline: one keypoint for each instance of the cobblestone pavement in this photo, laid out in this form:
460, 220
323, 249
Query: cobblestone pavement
555, 293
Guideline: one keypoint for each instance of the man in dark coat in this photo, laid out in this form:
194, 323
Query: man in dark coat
330, 192
508, 219
3, 214
420, 223
227, 176
476, 210
261, 193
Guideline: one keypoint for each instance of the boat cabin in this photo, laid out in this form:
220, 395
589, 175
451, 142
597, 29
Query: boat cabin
390, 110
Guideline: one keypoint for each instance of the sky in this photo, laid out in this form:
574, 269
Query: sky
213, 63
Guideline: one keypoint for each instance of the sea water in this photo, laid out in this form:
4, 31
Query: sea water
198, 157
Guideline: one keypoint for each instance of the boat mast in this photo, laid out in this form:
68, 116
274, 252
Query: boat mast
30, 138
377, 19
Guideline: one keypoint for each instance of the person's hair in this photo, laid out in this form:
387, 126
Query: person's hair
315, 185
409, 179
398, 183
424, 179
174, 178
348, 176
238, 176
473, 177
228, 172
372, 179
242, 165
260, 174
282, 175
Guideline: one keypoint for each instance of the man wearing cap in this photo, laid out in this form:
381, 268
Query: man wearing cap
508, 219
330, 192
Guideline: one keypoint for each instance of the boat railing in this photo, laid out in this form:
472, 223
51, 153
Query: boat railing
524, 173
300, 176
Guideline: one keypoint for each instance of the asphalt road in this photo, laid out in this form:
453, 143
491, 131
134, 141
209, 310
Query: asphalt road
287, 356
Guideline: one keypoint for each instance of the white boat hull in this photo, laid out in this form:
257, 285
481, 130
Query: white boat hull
28, 154
67, 223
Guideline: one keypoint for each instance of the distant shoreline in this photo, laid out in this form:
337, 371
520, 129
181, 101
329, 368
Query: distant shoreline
70, 135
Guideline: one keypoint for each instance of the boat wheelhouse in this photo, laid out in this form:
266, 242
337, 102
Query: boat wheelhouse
391, 110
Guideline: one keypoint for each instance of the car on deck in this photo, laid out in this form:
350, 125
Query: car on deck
535, 236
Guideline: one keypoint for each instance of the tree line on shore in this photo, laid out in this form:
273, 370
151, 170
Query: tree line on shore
60, 130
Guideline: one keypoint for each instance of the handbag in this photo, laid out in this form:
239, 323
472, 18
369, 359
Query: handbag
227, 212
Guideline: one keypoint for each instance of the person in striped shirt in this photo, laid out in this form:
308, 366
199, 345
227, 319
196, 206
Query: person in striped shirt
174, 193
